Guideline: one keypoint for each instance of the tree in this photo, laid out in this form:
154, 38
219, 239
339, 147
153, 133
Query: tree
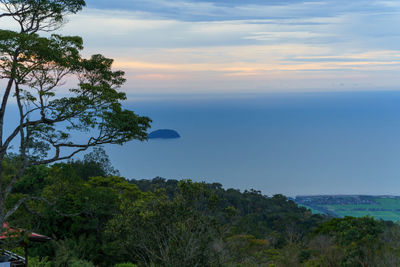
359, 238
35, 69
96, 163
156, 230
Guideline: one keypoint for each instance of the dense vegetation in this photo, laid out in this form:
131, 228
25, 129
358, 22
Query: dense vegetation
61, 102
97, 218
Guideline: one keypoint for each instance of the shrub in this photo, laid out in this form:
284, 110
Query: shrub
37, 262
80, 263
125, 265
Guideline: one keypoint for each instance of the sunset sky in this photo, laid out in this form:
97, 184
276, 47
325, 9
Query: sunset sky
182, 46
187, 46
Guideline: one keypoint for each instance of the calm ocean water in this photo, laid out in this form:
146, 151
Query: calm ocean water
314, 143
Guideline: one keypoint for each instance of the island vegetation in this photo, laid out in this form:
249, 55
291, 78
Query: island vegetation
163, 134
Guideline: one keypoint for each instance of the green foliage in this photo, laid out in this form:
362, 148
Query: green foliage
38, 262
246, 250
35, 66
166, 232
125, 265
37, 15
358, 238
349, 230
80, 263
68, 254
98, 221
249, 212
95, 163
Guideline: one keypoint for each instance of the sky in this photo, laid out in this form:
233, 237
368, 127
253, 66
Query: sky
244, 46
219, 46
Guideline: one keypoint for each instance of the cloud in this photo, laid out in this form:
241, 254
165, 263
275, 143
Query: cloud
296, 49
178, 45
268, 68
251, 9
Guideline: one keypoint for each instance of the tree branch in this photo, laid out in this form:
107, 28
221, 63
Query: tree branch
23, 201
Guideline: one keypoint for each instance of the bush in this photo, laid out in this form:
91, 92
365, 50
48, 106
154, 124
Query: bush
37, 262
80, 263
125, 265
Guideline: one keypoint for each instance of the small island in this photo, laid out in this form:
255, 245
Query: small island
164, 134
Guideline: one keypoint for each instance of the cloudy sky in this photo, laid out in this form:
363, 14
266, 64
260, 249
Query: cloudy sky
202, 46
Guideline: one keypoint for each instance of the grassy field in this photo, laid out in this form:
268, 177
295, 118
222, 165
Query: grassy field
381, 207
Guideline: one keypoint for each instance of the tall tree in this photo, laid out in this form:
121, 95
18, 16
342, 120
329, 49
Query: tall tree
55, 123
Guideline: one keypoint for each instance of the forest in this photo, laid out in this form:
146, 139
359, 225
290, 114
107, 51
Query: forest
97, 218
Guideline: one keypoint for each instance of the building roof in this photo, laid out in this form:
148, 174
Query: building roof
11, 232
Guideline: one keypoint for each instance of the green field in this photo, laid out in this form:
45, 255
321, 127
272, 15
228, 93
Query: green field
380, 207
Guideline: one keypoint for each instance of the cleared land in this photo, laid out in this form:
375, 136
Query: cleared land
379, 207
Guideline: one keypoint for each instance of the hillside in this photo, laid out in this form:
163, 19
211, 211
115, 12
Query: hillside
379, 207
99, 219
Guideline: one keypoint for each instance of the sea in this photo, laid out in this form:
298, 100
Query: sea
278, 143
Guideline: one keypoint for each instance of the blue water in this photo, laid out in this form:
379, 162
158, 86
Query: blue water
311, 143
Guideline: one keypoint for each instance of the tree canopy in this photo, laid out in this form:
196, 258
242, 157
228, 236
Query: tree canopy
65, 103
183, 223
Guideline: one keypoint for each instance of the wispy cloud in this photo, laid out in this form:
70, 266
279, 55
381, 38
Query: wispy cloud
177, 45
208, 10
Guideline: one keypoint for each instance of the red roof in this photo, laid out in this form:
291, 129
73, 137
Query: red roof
16, 232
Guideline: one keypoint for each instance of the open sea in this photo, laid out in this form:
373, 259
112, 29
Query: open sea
292, 144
